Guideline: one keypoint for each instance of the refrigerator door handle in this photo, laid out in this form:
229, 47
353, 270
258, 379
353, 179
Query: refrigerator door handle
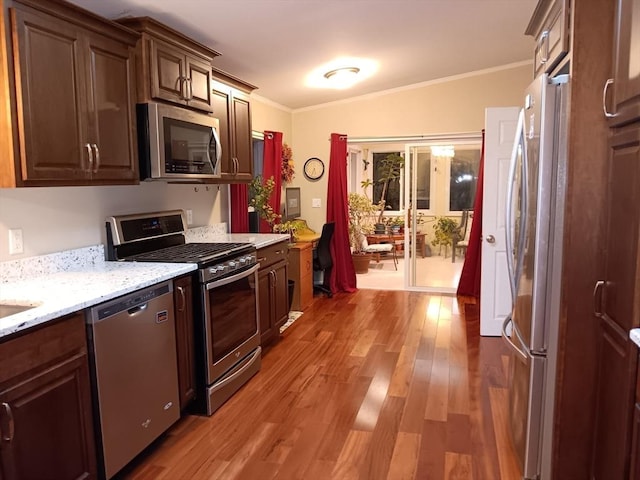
521, 353
509, 206
598, 293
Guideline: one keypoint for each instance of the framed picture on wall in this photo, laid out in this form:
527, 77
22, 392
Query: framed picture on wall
292, 203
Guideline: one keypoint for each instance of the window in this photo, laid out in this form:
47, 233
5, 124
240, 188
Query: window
463, 179
393, 193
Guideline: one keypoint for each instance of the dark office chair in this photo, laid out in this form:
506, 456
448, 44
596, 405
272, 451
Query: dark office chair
322, 259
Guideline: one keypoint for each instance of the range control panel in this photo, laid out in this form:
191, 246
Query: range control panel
228, 267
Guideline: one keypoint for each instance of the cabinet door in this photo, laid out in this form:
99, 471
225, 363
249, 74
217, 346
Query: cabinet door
185, 346
168, 72
614, 391
111, 106
627, 62
265, 309
48, 418
622, 293
243, 149
199, 84
280, 297
49, 72
635, 445
221, 101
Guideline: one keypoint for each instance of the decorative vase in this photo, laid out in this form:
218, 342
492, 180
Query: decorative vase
379, 228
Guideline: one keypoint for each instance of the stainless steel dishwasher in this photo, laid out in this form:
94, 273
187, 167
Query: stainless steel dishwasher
134, 369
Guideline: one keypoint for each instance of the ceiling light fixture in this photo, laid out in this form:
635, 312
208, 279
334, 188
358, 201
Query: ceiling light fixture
343, 77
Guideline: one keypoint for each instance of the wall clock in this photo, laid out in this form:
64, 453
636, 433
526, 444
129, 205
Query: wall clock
313, 168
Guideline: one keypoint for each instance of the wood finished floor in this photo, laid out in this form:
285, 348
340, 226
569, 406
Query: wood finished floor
373, 385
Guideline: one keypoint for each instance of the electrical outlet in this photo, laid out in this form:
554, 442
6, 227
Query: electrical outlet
15, 241
189, 217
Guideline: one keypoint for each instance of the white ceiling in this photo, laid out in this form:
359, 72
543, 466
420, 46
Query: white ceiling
274, 44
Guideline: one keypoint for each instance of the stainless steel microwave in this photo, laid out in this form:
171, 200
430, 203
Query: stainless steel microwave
177, 144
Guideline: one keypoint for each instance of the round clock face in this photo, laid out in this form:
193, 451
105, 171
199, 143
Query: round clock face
313, 168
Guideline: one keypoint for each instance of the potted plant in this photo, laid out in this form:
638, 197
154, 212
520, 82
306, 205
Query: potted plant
361, 211
446, 230
259, 194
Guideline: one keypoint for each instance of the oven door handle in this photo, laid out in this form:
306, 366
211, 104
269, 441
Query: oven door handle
233, 278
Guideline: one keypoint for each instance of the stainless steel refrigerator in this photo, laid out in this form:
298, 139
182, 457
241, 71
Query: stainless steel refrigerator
534, 211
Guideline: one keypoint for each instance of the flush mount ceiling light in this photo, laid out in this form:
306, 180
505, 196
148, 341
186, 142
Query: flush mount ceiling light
341, 73
343, 76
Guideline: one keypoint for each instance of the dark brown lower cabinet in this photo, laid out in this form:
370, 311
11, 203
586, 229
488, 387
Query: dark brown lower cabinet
273, 290
185, 347
635, 446
46, 420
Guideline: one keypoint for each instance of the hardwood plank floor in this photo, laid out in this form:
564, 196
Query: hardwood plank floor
373, 385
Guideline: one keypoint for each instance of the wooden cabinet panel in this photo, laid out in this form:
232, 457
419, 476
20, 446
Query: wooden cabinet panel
167, 71
232, 107
112, 110
626, 66
185, 340
622, 293
549, 26
615, 395
75, 99
52, 112
46, 404
199, 84
174, 68
301, 272
273, 290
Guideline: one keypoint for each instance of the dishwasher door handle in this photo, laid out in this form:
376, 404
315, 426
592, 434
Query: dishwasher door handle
137, 310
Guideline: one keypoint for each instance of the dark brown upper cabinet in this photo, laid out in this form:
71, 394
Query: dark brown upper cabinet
550, 27
74, 93
172, 67
232, 107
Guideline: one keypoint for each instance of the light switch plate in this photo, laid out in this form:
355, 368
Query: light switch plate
316, 202
189, 217
15, 241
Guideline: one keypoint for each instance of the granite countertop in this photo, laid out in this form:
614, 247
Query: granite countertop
635, 336
212, 234
63, 283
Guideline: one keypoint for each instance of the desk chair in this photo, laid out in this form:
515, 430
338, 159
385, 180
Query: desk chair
322, 261
465, 229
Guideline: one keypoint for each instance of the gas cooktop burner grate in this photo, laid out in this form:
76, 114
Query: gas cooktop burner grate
190, 252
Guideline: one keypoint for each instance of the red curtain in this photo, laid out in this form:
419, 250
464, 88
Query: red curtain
239, 203
272, 167
470, 277
343, 275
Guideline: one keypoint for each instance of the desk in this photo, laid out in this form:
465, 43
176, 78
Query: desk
301, 271
375, 238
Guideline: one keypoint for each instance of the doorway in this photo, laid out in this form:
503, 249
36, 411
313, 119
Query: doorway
440, 174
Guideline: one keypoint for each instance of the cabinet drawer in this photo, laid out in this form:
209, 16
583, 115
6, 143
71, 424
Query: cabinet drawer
267, 256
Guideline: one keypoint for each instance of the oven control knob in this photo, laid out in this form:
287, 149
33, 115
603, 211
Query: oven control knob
242, 261
232, 264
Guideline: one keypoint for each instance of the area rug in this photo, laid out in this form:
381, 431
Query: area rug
293, 316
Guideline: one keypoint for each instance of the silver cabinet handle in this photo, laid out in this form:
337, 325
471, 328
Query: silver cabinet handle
491, 239
189, 88
97, 164
235, 166
609, 82
90, 152
7, 410
183, 301
598, 292
544, 40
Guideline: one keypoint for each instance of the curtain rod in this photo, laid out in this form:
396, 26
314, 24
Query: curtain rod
418, 138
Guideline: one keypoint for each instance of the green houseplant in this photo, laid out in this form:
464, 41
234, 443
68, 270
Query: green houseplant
361, 212
446, 230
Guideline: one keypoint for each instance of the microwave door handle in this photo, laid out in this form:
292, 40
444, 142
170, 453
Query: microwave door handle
218, 147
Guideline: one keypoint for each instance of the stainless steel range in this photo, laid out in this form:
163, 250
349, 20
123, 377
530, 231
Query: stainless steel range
226, 309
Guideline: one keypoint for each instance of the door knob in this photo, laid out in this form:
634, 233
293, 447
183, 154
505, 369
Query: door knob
491, 239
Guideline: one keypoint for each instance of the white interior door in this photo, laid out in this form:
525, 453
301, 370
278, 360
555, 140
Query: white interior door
495, 296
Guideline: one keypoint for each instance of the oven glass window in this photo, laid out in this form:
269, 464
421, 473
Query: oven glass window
233, 318
188, 147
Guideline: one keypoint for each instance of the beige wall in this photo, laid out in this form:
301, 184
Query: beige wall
54, 219
453, 106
